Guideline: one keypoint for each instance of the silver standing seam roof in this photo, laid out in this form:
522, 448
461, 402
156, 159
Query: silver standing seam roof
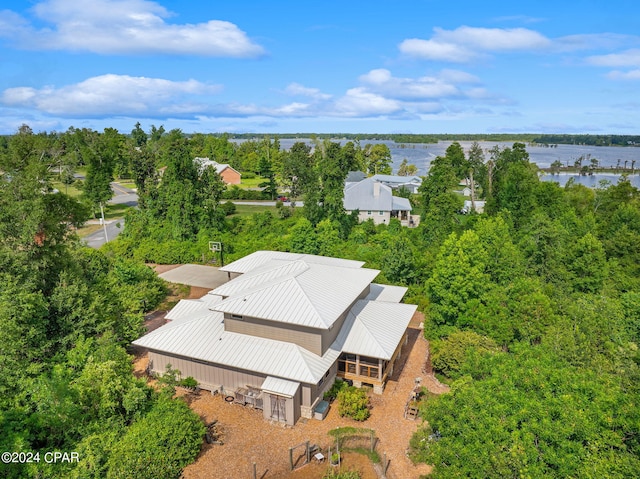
306, 291
260, 258
361, 196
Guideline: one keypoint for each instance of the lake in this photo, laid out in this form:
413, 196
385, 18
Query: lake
421, 155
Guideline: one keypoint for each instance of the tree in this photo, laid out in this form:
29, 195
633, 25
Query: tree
159, 445
458, 278
297, 169
139, 136
378, 159
407, 169
398, 264
534, 416
588, 264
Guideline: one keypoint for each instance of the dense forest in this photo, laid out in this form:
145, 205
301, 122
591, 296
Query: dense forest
532, 308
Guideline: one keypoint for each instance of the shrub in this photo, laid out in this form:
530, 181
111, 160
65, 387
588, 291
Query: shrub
332, 393
353, 403
228, 207
188, 382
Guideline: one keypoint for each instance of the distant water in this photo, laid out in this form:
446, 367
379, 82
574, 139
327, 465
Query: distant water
591, 181
421, 155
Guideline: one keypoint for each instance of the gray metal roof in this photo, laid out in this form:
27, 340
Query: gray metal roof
361, 196
400, 204
386, 292
204, 339
297, 292
288, 290
188, 308
279, 386
376, 328
259, 258
396, 180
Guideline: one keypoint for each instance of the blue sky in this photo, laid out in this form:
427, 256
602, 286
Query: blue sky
427, 66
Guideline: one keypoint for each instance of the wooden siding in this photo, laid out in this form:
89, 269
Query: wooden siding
308, 338
208, 375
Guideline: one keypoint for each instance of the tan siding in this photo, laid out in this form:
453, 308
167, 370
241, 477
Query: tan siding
207, 375
308, 338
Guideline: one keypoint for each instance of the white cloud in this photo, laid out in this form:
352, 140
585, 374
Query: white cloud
112, 95
630, 75
628, 58
123, 27
445, 84
465, 43
295, 89
358, 102
494, 39
435, 50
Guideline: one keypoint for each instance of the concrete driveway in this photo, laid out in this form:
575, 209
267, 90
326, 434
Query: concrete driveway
196, 275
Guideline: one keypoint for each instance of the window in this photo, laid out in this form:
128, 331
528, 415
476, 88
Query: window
369, 213
381, 213
236, 316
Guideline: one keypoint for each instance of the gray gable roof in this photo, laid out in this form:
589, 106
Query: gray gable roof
370, 195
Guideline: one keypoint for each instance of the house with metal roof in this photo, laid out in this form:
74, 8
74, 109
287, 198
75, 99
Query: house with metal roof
374, 200
278, 334
411, 183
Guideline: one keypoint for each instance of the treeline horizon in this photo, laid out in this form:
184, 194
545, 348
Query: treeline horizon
432, 138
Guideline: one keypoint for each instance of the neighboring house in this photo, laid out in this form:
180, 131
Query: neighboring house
278, 334
411, 183
374, 200
479, 206
228, 174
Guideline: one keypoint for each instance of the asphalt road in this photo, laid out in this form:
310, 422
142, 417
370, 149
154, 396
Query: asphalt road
97, 239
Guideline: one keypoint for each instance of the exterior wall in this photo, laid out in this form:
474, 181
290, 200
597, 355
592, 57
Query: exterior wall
375, 216
230, 176
209, 376
292, 407
308, 338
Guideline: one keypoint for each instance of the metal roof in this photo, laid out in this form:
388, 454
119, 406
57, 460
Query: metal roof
259, 258
297, 292
386, 292
188, 308
361, 196
204, 339
376, 328
400, 204
397, 180
279, 386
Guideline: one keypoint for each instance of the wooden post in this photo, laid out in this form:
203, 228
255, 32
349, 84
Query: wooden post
308, 453
291, 457
255, 471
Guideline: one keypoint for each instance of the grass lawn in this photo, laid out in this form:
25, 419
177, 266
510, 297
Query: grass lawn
248, 210
251, 182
